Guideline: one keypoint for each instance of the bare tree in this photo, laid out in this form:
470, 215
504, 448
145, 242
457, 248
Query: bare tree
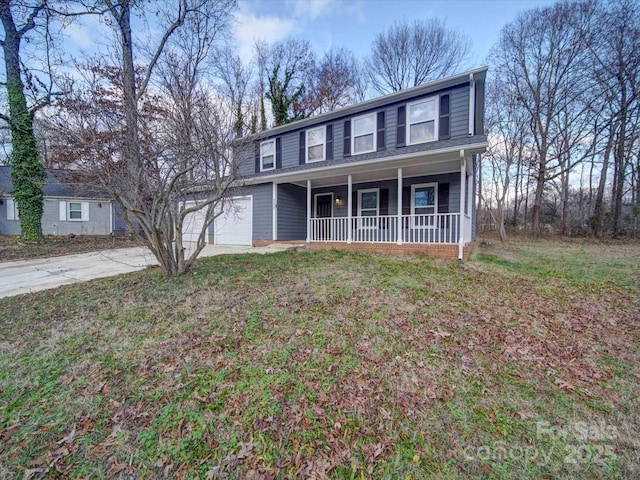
409, 54
150, 131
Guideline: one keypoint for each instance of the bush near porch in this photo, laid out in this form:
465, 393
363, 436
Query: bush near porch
522, 363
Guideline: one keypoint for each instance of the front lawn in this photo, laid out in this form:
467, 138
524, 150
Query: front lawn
522, 363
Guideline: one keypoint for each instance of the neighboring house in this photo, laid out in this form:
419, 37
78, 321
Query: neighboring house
396, 173
69, 207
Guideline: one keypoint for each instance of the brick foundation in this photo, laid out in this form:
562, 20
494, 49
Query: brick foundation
265, 243
430, 250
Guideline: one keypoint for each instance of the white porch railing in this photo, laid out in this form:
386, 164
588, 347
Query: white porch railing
434, 228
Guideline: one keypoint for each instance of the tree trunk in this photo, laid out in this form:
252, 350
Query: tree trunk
28, 174
598, 210
537, 202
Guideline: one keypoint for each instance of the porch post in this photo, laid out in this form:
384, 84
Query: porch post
308, 211
470, 200
274, 220
349, 209
399, 219
463, 185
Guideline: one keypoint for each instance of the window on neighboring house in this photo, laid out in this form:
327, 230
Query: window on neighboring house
422, 120
268, 155
363, 134
316, 144
12, 210
74, 211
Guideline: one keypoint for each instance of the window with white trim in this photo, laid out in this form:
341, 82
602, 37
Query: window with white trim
268, 155
424, 204
12, 210
316, 144
74, 211
363, 134
368, 206
422, 121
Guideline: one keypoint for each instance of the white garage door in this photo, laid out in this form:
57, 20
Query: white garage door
193, 223
235, 225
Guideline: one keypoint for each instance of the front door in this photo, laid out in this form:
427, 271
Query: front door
324, 209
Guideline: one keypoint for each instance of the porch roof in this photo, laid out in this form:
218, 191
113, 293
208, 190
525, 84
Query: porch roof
426, 162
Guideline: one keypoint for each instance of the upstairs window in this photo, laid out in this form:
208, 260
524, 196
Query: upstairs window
364, 134
316, 144
422, 116
268, 155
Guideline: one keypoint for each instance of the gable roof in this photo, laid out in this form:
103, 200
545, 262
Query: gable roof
59, 183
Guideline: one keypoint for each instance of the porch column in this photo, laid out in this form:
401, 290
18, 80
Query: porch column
274, 220
463, 185
349, 209
399, 220
308, 211
470, 200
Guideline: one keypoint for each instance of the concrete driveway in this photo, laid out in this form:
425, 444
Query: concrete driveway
26, 276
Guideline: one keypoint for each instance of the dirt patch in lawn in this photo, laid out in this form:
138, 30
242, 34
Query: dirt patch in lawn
52, 246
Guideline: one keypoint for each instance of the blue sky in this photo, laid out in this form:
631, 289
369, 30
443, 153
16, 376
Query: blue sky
354, 23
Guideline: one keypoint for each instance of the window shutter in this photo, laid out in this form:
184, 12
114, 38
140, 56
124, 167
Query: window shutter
63, 211
443, 198
329, 140
347, 138
279, 152
303, 155
401, 132
11, 209
406, 200
354, 203
257, 157
85, 211
444, 127
384, 201
381, 131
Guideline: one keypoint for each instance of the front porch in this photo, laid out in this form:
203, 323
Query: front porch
419, 207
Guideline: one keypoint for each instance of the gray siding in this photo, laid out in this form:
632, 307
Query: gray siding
290, 149
119, 226
453, 179
99, 222
459, 102
262, 211
292, 212
245, 156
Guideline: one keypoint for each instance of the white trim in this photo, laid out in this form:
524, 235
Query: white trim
436, 100
382, 160
308, 211
274, 214
62, 210
315, 203
369, 190
472, 101
12, 209
111, 217
349, 207
399, 221
84, 211
262, 144
374, 132
463, 172
324, 144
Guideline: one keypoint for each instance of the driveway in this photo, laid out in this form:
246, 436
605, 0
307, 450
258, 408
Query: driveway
26, 276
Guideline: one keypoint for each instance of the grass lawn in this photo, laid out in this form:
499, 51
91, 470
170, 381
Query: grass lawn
523, 363
11, 249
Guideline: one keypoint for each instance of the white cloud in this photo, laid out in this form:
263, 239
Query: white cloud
251, 27
311, 9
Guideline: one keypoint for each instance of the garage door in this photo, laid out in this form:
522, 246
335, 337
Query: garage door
193, 223
235, 225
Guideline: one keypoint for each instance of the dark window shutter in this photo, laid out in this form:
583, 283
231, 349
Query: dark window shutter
329, 142
381, 131
347, 138
384, 201
354, 203
444, 130
302, 148
401, 132
278, 152
406, 200
443, 198
257, 157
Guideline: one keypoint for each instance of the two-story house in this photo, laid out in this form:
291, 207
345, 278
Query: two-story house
395, 173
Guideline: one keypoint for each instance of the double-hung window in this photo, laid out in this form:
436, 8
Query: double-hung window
267, 155
364, 134
316, 144
424, 204
422, 119
369, 207
75, 211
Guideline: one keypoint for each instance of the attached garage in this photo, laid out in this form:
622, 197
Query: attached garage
235, 225
193, 223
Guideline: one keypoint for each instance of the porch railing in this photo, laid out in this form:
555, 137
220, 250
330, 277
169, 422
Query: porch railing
434, 228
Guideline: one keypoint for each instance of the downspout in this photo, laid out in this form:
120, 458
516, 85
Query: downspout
472, 103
